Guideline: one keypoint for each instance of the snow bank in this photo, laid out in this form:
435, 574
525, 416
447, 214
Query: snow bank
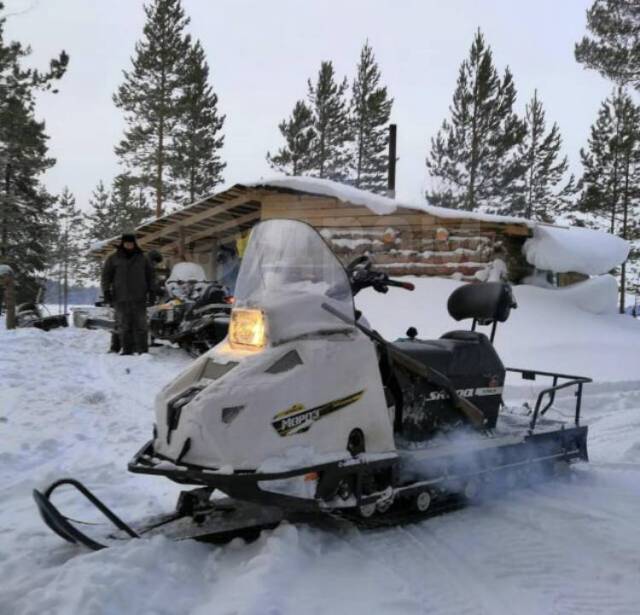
581, 250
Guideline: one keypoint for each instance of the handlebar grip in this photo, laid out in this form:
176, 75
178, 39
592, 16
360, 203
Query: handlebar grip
405, 285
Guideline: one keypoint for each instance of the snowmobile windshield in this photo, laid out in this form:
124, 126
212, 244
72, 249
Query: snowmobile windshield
289, 271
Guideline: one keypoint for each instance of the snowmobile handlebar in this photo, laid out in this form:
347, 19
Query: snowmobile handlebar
361, 275
399, 284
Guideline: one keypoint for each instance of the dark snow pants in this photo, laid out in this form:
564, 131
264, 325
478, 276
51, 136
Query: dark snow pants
131, 325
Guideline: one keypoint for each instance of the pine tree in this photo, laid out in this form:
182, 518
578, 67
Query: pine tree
69, 262
128, 205
25, 206
610, 184
327, 99
538, 192
614, 48
296, 157
472, 162
151, 98
99, 224
370, 112
198, 166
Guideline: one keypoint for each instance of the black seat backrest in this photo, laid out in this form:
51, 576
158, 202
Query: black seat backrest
486, 302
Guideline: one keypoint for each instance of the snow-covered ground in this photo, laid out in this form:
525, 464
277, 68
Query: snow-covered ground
69, 409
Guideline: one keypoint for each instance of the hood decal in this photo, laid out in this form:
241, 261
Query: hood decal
297, 419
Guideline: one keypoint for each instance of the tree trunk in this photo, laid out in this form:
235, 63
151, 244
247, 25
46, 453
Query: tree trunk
66, 283
532, 158
625, 218
4, 240
159, 168
614, 204
360, 147
4, 237
471, 189
10, 301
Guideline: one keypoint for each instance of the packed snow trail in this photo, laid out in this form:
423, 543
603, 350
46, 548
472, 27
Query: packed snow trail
69, 409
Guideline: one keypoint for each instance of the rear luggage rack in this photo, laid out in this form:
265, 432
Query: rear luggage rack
576, 381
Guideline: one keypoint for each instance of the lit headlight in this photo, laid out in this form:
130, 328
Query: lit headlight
247, 328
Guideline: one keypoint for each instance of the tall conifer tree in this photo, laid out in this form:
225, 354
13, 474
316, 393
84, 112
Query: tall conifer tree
296, 156
151, 95
370, 112
69, 244
542, 190
613, 47
610, 197
472, 162
128, 204
327, 99
99, 224
197, 165
25, 206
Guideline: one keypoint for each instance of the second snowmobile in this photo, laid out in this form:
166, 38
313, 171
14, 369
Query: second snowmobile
304, 410
195, 313
37, 315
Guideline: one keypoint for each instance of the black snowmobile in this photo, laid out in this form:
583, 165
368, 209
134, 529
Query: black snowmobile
205, 322
304, 413
195, 312
38, 316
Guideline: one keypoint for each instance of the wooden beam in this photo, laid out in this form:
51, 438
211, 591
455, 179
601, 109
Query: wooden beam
215, 230
519, 230
182, 251
199, 217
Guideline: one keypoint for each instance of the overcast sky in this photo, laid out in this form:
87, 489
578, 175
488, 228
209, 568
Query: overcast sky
261, 53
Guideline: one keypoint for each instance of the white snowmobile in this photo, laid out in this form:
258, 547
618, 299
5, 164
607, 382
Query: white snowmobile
303, 412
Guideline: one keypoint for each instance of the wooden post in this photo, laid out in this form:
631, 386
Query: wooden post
391, 173
182, 249
6, 276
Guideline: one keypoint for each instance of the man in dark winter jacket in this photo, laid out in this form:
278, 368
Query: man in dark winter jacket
127, 284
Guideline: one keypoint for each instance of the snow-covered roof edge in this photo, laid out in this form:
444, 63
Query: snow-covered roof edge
375, 202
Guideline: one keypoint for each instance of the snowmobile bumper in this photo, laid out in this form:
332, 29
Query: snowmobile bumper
63, 527
274, 488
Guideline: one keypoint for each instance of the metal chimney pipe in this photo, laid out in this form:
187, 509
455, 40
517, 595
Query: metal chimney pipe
391, 169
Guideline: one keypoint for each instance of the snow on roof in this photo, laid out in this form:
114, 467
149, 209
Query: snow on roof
377, 203
552, 248
582, 250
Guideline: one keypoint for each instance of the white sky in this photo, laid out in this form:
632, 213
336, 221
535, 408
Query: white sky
261, 53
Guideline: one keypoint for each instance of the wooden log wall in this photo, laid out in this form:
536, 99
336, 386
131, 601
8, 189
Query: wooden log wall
407, 242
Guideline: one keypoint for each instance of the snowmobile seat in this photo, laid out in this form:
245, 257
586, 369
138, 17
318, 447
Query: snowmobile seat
428, 352
486, 303
456, 353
